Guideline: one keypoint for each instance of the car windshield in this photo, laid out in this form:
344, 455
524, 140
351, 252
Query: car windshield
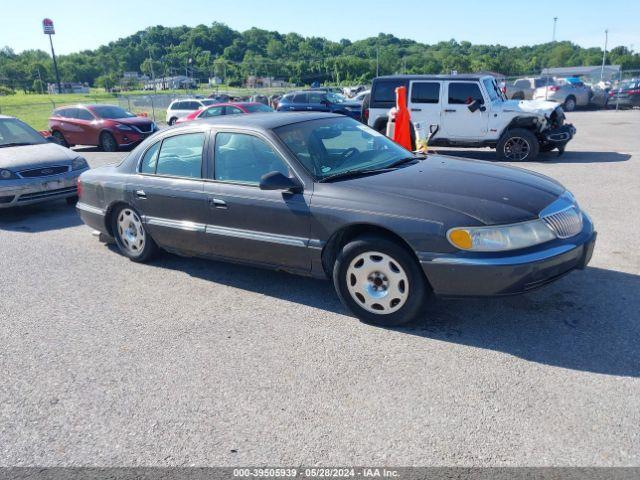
108, 111
332, 146
15, 133
335, 98
257, 107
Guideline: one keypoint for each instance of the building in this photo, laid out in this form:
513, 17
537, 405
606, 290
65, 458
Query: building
215, 81
67, 87
179, 82
610, 72
254, 81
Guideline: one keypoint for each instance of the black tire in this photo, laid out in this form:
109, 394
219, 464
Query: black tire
569, 104
518, 96
108, 142
547, 148
124, 242
72, 200
405, 310
60, 138
172, 121
511, 140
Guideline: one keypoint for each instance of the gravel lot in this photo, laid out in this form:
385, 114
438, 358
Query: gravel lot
191, 362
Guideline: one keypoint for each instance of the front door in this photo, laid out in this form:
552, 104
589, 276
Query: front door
246, 223
424, 106
458, 122
169, 193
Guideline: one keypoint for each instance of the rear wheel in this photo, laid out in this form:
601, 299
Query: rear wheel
60, 138
569, 104
107, 142
172, 121
379, 281
131, 236
518, 145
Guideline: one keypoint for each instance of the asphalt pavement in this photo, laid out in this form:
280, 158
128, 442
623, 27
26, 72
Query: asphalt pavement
193, 362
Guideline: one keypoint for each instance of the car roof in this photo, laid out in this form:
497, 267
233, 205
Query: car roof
261, 121
461, 76
6, 116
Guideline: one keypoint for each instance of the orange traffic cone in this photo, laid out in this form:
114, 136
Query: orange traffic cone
402, 130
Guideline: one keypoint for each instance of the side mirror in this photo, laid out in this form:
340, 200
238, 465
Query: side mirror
277, 181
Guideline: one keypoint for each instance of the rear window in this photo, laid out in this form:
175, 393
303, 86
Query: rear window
384, 92
464, 93
425, 92
257, 107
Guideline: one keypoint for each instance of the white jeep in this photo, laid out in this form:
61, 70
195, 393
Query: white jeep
471, 111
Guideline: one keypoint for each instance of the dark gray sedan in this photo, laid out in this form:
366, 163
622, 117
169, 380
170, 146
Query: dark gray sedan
323, 195
33, 169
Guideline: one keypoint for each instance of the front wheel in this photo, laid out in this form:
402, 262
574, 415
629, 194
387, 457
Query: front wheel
518, 145
380, 281
59, 137
131, 236
569, 104
107, 142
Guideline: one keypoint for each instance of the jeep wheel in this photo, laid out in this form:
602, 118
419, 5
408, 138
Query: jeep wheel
518, 145
380, 281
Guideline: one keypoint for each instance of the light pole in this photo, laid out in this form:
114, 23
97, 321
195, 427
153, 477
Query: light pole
604, 54
48, 29
555, 20
377, 61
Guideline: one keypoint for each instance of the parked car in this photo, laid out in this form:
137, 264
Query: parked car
523, 88
471, 111
33, 169
627, 95
181, 108
107, 126
324, 195
226, 109
319, 101
359, 98
569, 95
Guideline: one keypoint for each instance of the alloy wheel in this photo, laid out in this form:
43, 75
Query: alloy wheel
377, 282
516, 149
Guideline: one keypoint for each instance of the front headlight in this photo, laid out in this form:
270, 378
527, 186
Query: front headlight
502, 237
124, 128
79, 164
7, 174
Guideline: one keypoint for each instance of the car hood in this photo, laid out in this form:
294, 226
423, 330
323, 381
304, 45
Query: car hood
137, 121
536, 107
42, 154
490, 194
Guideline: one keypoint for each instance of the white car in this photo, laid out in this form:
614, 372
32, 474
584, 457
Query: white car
471, 111
182, 108
569, 95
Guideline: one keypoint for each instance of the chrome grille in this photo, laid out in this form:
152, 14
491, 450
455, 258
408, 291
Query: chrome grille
565, 223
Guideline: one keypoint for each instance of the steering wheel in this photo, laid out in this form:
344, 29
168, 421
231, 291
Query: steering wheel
346, 155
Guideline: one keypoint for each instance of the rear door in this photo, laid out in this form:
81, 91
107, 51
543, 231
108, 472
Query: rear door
318, 102
168, 191
424, 105
458, 122
85, 122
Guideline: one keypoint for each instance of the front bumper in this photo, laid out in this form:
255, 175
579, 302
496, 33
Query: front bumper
559, 137
15, 193
129, 138
508, 273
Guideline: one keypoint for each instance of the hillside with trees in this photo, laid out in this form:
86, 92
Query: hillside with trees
217, 50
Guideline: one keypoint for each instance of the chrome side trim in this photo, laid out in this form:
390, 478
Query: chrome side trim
497, 261
90, 209
177, 224
258, 236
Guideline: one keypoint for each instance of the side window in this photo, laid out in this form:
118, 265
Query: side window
84, 114
193, 106
181, 156
245, 158
211, 112
300, 98
385, 91
231, 110
71, 113
177, 106
464, 93
150, 159
316, 97
425, 92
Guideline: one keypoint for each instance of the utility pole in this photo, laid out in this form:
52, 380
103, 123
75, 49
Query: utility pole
604, 54
555, 20
377, 61
48, 29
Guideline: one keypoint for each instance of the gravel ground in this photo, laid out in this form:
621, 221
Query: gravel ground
191, 362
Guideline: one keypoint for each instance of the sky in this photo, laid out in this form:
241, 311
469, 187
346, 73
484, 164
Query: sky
88, 24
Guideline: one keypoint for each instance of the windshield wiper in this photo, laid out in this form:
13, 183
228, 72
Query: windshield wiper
14, 144
355, 172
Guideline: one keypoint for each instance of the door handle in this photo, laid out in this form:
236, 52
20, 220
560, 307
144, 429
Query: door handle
141, 194
416, 109
217, 203
450, 110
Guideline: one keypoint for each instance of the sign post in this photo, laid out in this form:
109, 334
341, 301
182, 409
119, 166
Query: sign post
48, 29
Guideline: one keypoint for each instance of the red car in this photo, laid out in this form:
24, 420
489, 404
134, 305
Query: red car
107, 126
226, 109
